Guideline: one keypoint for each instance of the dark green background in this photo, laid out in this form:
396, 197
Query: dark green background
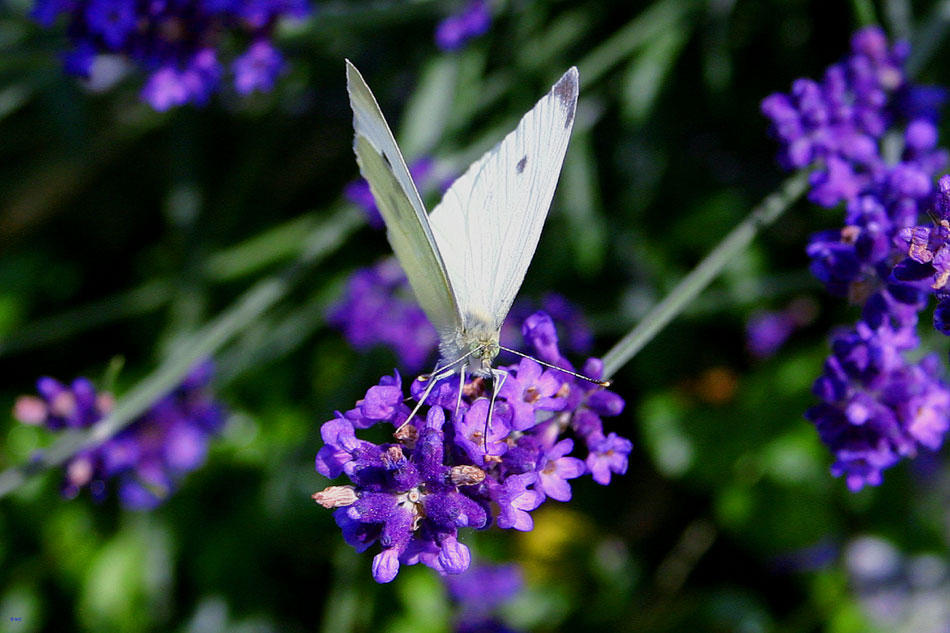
123, 230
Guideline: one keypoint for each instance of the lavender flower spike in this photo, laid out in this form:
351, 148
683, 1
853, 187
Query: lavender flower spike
377, 309
174, 42
457, 30
149, 457
442, 473
877, 407
480, 592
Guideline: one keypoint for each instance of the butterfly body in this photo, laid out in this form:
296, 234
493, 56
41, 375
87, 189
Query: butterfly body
477, 338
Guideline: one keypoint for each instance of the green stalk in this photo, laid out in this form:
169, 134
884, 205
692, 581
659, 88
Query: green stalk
767, 212
205, 342
928, 38
864, 14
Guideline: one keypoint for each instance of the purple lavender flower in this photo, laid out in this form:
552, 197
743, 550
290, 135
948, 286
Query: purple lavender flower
557, 467
539, 331
450, 466
113, 20
482, 439
877, 407
165, 89
573, 331
257, 68
455, 31
149, 457
175, 42
528, 390
608, 455
58, 406
414, 498
927, 262
837, 126
378, 309
480, 592
340, 448
170, 86
516, 499
485, 587
856, 261
766, 332
838, 122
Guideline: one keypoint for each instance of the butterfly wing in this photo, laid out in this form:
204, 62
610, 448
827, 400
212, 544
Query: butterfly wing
407, 224
489, 221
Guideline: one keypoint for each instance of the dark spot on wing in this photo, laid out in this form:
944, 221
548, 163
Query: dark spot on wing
387, 161
566, 92
569, 119
521, 163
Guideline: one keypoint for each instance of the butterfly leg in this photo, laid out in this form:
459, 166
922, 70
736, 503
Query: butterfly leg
498, 377
434, 377
458, 401
438, 374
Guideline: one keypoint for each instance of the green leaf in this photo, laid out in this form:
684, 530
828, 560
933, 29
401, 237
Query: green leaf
128, 582
578, 197
428, 111
670, 447
647, 73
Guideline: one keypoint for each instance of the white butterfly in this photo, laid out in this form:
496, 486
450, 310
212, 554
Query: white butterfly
466, 261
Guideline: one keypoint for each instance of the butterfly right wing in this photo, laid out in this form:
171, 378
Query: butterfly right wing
407, 224
489, 221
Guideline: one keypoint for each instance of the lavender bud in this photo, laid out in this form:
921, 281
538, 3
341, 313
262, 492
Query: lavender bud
336, 496
466, 475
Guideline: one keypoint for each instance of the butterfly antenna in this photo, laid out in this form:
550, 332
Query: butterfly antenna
602, 383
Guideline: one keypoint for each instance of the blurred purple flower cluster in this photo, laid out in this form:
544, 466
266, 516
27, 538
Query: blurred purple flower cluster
176, 42
767, 331
455, 31
898, 591
149, 457
479, 592
448, 468
574, 334
870, 137
377, 308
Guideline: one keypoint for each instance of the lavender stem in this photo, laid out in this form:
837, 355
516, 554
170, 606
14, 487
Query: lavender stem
764, 214
209, 339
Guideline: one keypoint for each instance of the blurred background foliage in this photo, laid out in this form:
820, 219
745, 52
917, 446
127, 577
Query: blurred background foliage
124, 231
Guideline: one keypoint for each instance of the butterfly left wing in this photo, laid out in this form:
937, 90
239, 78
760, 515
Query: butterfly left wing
407, 224
489, 221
